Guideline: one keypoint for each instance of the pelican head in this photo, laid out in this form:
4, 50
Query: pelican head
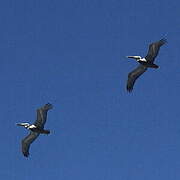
26, 125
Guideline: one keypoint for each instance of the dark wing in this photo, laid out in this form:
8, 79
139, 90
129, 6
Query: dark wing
42, 115
26, 142
154, 49
132, 76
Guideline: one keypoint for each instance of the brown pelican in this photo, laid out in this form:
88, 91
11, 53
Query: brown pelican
145, 63
35, 129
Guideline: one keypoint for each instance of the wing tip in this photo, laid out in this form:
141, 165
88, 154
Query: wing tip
26, 155
47, 106
129, 89
163, 41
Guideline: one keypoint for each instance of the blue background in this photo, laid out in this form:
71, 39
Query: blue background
71, 53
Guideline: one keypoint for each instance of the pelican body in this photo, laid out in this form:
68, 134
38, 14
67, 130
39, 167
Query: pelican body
145, 63
35, 129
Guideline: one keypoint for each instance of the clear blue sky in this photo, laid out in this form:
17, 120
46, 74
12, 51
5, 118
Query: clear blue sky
71, 53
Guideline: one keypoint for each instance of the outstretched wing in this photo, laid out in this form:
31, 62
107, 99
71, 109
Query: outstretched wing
42, 115
154, 49
132, 76
26, 142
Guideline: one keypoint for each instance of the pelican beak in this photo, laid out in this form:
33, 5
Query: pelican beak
19, 124
130, 57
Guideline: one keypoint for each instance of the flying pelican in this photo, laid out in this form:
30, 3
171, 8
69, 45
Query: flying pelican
35, 129
145, 63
